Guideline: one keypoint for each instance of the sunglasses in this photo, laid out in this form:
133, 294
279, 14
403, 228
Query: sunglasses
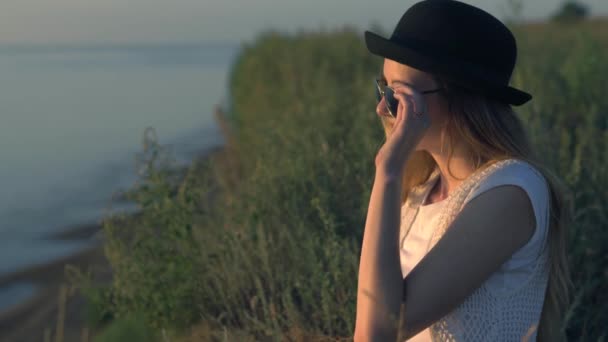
386, 91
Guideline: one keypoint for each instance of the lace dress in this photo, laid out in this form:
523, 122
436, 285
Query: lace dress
507, 306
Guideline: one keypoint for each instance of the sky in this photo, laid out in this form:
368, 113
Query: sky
232, 21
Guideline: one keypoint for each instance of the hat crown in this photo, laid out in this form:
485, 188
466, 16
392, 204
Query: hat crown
460, 31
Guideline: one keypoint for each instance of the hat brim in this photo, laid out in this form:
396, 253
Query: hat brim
460, 72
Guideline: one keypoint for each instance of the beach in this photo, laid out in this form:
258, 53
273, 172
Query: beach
28, 321
43, 312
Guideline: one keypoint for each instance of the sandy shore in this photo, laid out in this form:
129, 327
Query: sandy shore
37, 316
28, 321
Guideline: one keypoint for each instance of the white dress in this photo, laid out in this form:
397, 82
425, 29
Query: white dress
521, 268
416, 244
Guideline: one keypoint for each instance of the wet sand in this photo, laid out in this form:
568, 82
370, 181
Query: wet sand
27, 321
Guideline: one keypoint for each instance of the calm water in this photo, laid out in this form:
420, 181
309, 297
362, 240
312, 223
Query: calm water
72, 121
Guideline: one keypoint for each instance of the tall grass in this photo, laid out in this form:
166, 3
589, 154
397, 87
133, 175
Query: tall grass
262, 240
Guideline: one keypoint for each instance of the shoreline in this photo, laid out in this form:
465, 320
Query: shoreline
35, 273
28, 319
37, 314
19, 319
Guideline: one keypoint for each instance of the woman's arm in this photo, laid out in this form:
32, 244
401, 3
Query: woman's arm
380, 282
488, 230
482, 237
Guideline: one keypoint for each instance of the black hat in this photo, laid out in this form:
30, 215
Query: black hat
461, 42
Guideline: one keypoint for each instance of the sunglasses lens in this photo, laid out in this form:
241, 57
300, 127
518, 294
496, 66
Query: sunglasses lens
378, 95
391, 102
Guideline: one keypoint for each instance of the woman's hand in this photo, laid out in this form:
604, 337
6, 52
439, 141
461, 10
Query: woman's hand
408, 129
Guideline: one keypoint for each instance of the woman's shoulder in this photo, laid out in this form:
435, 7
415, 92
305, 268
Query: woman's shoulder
518, 269
521, 167
524, 175
515, 172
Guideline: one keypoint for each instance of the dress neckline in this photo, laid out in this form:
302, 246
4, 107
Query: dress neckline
433, 179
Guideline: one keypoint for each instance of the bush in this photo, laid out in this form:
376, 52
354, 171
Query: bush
154, 256
133, 329
571, 11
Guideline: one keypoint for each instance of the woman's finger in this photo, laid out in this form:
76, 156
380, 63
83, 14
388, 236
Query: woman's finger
416, 100
406, 105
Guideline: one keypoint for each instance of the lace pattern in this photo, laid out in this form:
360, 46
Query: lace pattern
485, 315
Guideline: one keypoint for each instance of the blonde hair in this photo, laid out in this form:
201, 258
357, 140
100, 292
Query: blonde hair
493, 132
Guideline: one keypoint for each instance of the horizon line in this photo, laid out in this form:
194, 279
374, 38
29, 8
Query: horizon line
186, 43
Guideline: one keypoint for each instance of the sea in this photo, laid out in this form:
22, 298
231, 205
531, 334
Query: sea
72, 121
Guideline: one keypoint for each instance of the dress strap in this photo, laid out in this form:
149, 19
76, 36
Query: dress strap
456, 199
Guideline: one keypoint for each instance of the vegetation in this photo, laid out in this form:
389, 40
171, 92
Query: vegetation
571, 11
261, 241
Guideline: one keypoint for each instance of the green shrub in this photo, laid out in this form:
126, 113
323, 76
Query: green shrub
154, 257
571, 11
128, 330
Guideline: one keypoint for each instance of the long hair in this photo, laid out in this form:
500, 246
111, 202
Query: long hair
494, 132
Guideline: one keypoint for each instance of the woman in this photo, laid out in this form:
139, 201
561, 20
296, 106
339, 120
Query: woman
479, 251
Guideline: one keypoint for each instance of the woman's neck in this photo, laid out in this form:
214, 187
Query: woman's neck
460, 167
